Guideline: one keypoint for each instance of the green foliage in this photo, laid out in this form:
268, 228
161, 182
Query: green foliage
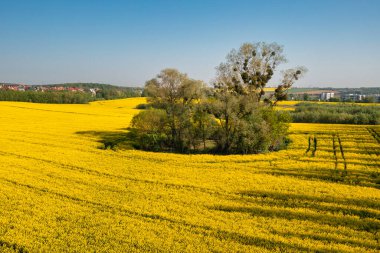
117, 93
104, 91
334, 99
369, 100
50, 97
246, 124
336, 114
229, 118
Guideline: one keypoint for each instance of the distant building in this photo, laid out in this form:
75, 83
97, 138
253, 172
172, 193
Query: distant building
326, 95
353, 97
93, 92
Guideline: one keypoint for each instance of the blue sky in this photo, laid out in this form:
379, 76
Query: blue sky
128, 42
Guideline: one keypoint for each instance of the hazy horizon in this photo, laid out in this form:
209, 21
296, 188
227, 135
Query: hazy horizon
142, 85
126, 43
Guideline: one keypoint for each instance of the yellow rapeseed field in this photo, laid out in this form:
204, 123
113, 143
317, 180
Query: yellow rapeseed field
61, 191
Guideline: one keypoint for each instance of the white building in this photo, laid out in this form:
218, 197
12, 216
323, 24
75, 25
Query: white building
326, 95
353, 97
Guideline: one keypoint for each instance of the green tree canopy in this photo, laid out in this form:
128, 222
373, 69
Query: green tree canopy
234, 116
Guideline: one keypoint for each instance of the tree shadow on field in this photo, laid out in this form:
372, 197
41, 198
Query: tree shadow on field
302, 200
12, 247
355, 214
326, 239
336, 173
111, 139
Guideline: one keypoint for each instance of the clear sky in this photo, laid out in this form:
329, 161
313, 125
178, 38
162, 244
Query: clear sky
128, 42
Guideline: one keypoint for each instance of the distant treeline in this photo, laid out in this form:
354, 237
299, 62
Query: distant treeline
336, 114
103, 92
362, 90
116, 94
50, 97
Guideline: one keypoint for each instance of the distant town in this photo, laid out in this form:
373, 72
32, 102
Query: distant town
366, 95
72, 93
43, 88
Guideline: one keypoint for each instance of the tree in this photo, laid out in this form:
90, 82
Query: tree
234, 116
152, 126
239, 90
175, 93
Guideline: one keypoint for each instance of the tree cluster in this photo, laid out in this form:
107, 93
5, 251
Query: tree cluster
337, 114
233, 116
50, 97
104, 91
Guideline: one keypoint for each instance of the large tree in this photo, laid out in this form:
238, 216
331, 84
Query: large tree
235, 116
248, 70
175, 93
246, 118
